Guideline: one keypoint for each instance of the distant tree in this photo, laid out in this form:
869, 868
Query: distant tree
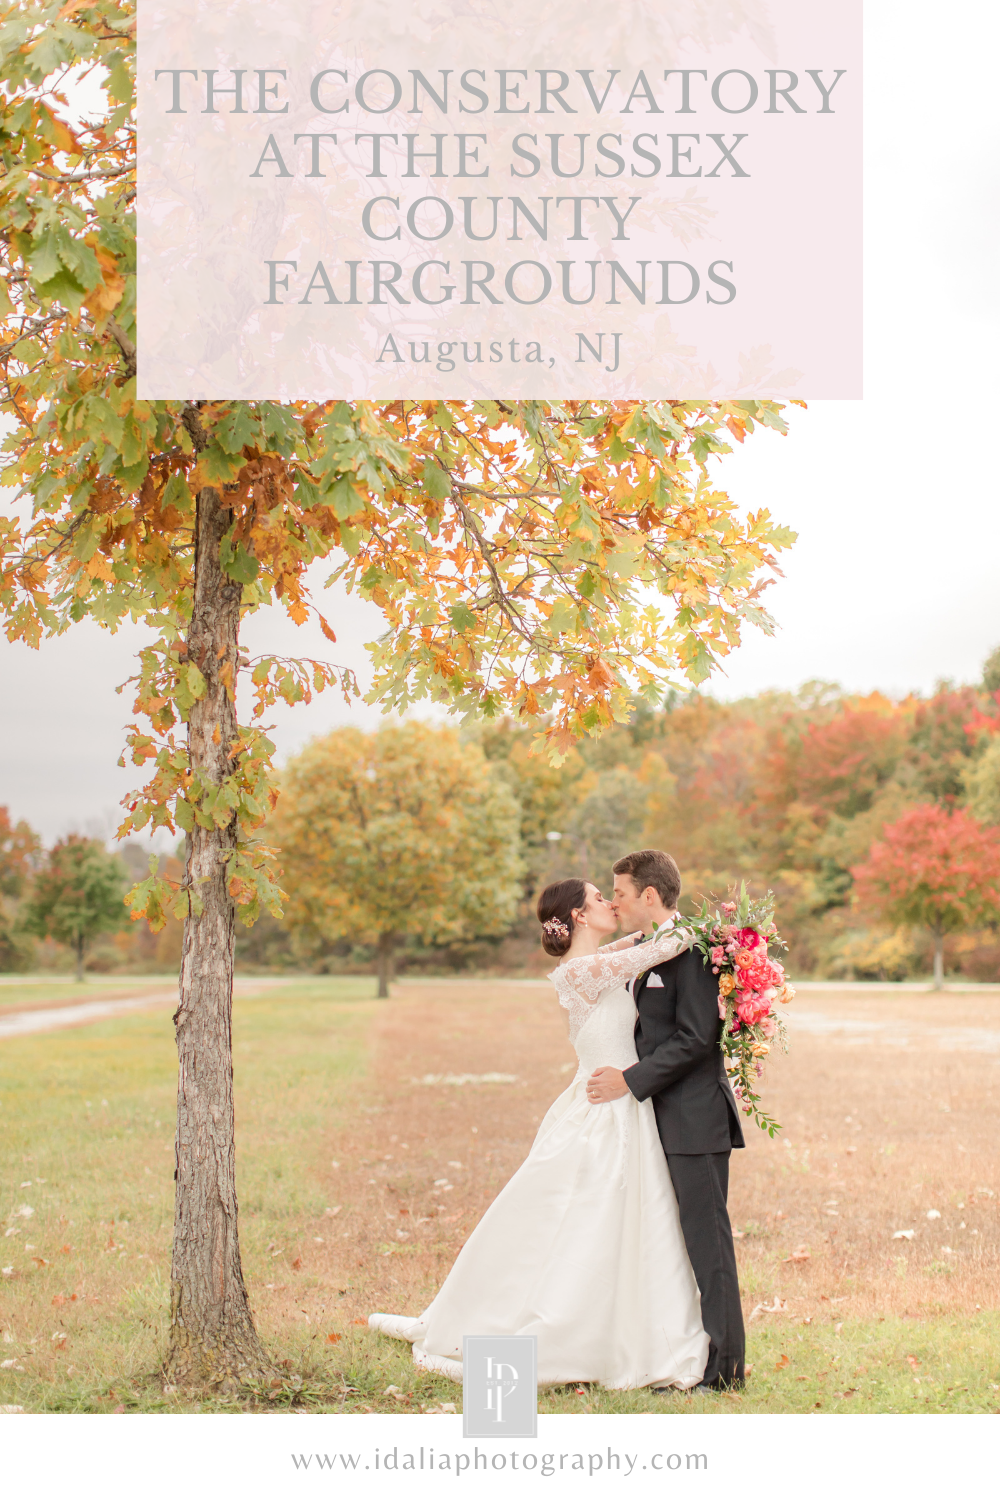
991, 672
407, 832
842, 763
934, 868
939, 747
982, 784
19, 846
77, 894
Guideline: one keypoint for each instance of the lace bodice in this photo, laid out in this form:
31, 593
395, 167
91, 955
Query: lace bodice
582, 982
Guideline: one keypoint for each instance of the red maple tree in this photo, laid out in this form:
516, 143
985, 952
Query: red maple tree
936, 868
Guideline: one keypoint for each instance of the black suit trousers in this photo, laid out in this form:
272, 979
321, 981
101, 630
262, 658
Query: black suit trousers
701, 1184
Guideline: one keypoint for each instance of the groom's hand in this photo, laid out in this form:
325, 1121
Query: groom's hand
606, 1084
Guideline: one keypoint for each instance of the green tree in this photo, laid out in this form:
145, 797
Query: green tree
407, 832
982, 784
77, 894
515, 549
991, 672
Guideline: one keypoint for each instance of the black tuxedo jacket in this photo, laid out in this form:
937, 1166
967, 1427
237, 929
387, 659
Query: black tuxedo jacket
680, 1063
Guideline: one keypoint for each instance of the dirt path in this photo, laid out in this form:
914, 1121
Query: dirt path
891, 1109
45, 1016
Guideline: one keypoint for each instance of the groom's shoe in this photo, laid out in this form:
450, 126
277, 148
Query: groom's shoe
715, 1387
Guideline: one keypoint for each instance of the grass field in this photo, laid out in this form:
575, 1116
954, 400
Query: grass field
891, 1112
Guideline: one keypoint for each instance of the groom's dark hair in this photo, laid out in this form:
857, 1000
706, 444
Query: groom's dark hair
652, 867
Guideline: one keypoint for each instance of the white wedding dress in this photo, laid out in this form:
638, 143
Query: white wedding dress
583, 1247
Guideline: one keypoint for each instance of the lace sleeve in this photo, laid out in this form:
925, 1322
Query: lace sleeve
586, 979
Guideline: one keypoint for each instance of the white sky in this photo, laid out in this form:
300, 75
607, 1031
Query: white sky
892, 583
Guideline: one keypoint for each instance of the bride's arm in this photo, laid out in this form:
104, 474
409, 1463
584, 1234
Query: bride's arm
622, 944
588, 977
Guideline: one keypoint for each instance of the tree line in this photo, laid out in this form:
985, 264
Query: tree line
874, 819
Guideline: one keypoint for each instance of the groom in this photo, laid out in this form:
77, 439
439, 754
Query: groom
680, 1068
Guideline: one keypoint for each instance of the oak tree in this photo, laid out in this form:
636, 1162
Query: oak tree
547, 559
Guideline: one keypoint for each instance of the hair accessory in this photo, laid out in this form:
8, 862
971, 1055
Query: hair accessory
555, 928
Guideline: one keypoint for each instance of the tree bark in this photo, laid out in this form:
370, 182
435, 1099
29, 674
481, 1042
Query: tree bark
212, 1336
386, 963
79, 959
938, 960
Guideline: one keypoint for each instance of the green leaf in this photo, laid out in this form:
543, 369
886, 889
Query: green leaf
239, 429
462, 618
236, 562
617, 452
435, 481
344, 499
44, 258
218, 467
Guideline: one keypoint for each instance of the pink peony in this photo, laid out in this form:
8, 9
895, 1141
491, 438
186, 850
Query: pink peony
748, 937
752, 1007
718, 955
769, 1026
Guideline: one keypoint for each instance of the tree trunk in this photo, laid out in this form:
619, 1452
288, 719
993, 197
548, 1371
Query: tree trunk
212, 1336
938, 960
386, 963
79, 959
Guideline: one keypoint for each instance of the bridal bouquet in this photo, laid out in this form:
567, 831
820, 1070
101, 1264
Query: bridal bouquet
735, 941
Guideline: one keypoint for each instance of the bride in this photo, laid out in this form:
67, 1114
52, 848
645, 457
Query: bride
583, 1247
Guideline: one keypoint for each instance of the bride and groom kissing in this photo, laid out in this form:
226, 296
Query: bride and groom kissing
612, 1243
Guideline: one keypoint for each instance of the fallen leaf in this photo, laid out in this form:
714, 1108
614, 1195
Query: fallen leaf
58, 1300
782, 1362
800, 1253
779, 1307
913, 1362
39, 1261
297, 1263
334, 1338
361, 1322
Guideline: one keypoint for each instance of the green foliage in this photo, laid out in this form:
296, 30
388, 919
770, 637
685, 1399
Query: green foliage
991, 672
981, 784
403, 832
76, 894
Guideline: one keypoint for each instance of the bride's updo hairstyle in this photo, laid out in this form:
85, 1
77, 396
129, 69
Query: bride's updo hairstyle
555, 909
